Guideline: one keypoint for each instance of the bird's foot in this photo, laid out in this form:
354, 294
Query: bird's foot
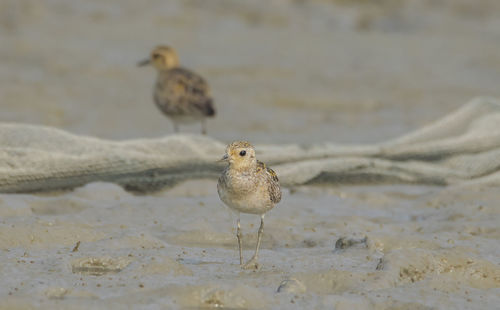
251, 264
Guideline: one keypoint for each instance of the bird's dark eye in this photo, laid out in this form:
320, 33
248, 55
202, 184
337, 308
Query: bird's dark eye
243, 153
156, 56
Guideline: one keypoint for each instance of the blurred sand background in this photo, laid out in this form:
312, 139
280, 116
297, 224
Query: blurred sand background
281, 71
332, 70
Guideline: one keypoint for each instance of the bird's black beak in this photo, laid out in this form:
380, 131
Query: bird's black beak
224, 158
144, 62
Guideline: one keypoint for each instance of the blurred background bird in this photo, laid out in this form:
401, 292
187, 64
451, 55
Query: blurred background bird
181, 94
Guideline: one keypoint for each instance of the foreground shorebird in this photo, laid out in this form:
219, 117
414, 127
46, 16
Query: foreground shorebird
180, 94
248, 186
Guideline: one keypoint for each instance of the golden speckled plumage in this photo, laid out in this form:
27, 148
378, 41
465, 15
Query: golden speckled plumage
182, 95
272, 180
247, 185
237, 145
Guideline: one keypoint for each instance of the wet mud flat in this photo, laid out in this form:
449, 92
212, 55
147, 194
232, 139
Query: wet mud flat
400, 247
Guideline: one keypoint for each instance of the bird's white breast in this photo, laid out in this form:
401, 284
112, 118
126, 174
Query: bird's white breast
244, 193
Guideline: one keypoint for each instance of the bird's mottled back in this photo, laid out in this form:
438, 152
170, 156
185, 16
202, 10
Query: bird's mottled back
181, 92
272, 181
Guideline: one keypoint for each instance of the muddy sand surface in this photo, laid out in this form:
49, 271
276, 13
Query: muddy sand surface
401, 247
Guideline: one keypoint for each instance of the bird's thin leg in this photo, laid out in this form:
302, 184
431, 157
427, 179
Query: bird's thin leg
238, 235
252, 263
259, 236
203, 126
176, 127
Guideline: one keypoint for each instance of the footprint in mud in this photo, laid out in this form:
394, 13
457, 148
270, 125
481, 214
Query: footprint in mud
291, 285
98, 266
56, 206
217, 296
347, 242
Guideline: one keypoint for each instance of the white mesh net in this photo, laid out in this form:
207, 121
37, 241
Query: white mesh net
463, 146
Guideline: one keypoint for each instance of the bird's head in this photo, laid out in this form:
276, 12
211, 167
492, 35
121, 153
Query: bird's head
162, 58
240, 155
